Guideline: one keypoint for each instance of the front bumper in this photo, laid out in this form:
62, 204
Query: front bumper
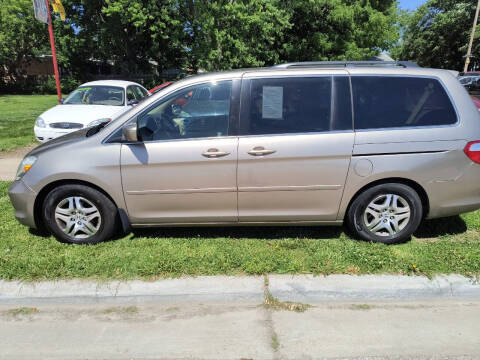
23, 201
47, 133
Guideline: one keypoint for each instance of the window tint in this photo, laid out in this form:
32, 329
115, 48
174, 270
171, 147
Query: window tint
342, 113
198, 111
385, 102
290, 105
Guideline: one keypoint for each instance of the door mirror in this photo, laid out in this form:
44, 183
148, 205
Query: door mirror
129, 132
61, 100
132, 102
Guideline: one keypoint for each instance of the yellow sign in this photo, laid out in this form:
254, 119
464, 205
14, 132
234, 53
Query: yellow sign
58, 8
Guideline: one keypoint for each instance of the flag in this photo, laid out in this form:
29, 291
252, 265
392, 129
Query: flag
40, 10
58, 8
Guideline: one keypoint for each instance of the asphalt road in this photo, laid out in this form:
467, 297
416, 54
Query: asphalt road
243, 330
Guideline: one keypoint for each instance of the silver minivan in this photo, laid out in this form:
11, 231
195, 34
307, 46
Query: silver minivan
379, 146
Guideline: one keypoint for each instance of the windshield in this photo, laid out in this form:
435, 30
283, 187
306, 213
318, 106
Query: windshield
96, 95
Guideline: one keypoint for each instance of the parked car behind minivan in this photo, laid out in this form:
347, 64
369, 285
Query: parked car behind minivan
378, 146
90, 104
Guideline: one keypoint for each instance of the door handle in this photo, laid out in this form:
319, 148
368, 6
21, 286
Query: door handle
215, 153
260, 151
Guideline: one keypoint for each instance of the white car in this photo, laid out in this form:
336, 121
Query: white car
88, 105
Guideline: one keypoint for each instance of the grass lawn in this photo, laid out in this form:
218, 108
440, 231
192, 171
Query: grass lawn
441, 246
17, 117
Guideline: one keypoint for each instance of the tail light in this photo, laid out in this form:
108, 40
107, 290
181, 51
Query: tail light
472, 150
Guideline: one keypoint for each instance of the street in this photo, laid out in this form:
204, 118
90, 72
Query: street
242, 330
272, 317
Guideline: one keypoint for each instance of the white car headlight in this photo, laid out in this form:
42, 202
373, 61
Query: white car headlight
24, 166
99, 121
40, 122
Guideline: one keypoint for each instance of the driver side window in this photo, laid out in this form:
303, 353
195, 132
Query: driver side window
195, 112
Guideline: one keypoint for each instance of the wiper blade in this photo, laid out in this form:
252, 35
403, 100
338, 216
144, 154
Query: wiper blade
95, 129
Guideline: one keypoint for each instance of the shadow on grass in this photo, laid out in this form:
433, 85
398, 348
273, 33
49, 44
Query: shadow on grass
438, 227
250, 232
428, 229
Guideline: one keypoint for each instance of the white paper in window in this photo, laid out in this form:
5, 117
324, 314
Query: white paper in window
272, 107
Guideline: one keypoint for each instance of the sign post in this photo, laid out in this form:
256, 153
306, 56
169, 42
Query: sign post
54, 53
43, 14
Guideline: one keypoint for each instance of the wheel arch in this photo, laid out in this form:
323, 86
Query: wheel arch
42, 194
396, 180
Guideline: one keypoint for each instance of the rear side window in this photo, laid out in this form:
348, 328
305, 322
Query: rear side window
296, 105
390, 102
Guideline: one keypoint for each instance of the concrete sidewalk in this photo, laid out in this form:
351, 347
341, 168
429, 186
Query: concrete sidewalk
377, 317
9, 161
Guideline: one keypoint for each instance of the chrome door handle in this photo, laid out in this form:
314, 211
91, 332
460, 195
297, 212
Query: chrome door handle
215, 153
260, 151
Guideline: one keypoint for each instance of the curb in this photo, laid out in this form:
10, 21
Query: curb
308, 288
295, 288
203, 288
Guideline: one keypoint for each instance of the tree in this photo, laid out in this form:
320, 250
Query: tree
339, 29
437, 34
22, 37
227, 34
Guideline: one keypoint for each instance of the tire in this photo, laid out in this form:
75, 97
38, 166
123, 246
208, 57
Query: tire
79, 214
376, 216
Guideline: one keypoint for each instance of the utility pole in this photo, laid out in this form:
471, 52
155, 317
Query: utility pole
469, 52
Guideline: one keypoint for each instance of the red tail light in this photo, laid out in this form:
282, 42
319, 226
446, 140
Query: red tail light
472, 150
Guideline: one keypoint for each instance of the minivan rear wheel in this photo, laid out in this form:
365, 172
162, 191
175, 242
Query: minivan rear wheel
386, 213
78, 214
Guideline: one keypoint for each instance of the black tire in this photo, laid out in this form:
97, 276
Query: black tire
356, 213
106, 222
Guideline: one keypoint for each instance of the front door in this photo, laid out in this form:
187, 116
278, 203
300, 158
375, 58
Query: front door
184, 169
295, 146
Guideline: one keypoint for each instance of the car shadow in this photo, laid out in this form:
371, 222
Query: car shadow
243, 232
428, 229
438, 227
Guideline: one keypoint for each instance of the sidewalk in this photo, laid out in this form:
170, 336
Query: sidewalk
377, 317
9, 162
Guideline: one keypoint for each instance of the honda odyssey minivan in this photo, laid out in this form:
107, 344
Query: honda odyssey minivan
379, 146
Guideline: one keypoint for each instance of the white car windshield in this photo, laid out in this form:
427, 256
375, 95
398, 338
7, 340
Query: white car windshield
96, 95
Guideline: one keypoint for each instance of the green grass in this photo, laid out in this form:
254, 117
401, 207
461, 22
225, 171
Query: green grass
442, 246
17, 117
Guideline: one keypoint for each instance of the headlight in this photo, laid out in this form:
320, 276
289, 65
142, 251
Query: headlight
40, 122
99, 121
24, 166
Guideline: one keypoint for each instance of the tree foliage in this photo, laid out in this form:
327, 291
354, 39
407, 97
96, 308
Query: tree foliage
437, 34
205, 34
21, 36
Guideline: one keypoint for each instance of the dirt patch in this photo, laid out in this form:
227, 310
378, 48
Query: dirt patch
17, 153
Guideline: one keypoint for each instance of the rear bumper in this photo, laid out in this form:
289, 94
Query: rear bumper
455, 196
23, 201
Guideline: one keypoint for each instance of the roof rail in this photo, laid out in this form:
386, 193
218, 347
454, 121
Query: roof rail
345, 64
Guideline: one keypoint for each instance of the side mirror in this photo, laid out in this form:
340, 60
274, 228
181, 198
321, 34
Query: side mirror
132, 102
129, 131
61, 100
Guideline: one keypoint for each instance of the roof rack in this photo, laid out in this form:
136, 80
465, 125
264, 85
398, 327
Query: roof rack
345, 64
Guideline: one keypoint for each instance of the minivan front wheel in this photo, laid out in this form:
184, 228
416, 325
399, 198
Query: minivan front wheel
79, 214
386, 213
